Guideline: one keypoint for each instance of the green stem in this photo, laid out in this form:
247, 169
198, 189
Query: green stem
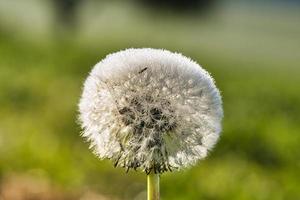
153, 186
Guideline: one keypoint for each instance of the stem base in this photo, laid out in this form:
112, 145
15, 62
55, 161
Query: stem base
153, 186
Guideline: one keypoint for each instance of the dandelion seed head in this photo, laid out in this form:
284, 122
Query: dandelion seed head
150, 109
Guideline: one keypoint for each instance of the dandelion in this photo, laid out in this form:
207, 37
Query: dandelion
150, 110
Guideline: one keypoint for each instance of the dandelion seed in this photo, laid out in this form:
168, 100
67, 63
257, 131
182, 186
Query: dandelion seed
151, 110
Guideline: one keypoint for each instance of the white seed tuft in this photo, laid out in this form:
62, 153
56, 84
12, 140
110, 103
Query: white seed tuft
150, 109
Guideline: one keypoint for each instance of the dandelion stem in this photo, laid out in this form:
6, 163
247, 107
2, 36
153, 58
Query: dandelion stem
153, 186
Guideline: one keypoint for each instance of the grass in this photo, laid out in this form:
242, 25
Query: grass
258, 156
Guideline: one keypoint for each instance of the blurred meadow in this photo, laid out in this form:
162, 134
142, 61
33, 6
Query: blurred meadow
251, 48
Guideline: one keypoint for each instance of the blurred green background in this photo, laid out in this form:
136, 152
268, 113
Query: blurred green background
251, 48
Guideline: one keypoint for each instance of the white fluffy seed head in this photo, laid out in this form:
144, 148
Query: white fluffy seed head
150, 109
